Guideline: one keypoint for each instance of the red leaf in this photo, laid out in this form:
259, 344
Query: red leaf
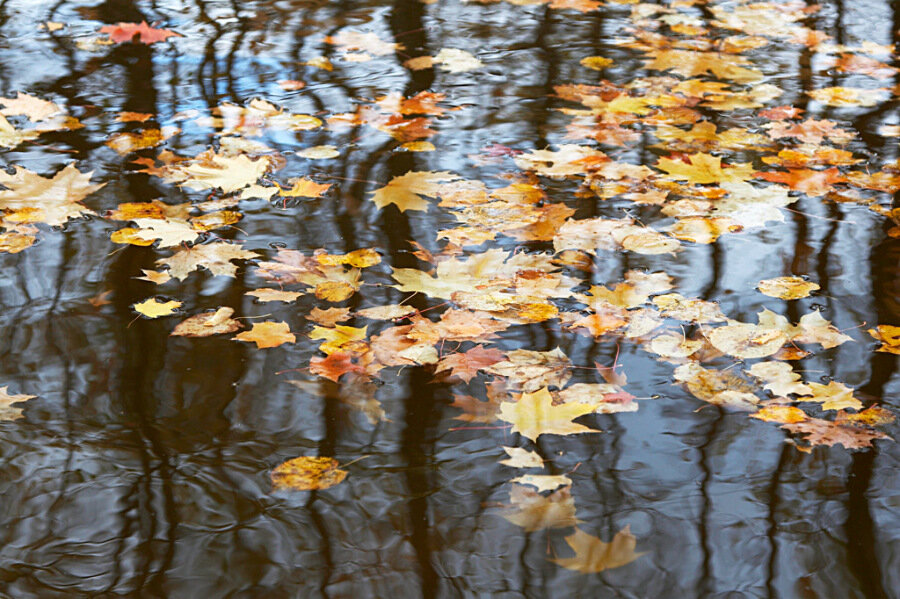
125, 32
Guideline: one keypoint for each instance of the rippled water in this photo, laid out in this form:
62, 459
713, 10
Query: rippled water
142, 466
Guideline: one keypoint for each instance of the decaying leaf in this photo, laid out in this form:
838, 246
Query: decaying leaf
7, 411
208, 323
787, 288
534, 511
593, 555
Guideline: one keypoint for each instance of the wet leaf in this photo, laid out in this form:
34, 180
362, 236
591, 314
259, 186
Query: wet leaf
522, 458
208, 323
154, 308
126, 32
307, 474
534, 511
593, 555
267, 334
7, 411
534, 415
787, 288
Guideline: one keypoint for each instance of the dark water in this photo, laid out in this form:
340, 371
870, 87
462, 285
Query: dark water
141, 469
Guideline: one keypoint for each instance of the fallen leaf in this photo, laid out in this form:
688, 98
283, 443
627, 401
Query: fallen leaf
267, 334
125, 32
154, 308
307, 474
593, 555
522, 458
534, 511
787, 288
543, 482
208, 323
534, 415
7, 412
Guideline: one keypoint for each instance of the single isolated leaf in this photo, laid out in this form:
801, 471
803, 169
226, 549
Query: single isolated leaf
534, 415
593, 555
787, 288
780, 378
522, 458
125, 32
267, 334
307, 474
7, 412
329, 317
154, 308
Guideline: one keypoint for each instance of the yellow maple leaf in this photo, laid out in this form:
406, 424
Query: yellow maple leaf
535, 415
154, 308
405, 191
833, 396
267, 334
705, 168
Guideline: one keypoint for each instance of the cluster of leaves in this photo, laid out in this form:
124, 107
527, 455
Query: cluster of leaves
710, 181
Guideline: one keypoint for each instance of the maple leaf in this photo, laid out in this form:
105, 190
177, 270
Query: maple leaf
833, 396
10, 137
367, 42
593, 555
889, 336
818, 431
338, 338
34, 108
534, 415
780, 378
718, 387
125, 32
304, 188
7, 412
267, 334
810, 131
215, 257
274, 295
532, 370
227, 173
334, 365
544, 482
691, 63
705, 168
465, 365
570, 159
207, 323
169, 232
849, 96
787, 288
533, 511
405, 191
329, 317
522, 458
307, 474
154, 308
31, 198
389, 312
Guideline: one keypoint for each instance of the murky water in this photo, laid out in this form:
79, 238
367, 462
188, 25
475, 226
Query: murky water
141, 468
